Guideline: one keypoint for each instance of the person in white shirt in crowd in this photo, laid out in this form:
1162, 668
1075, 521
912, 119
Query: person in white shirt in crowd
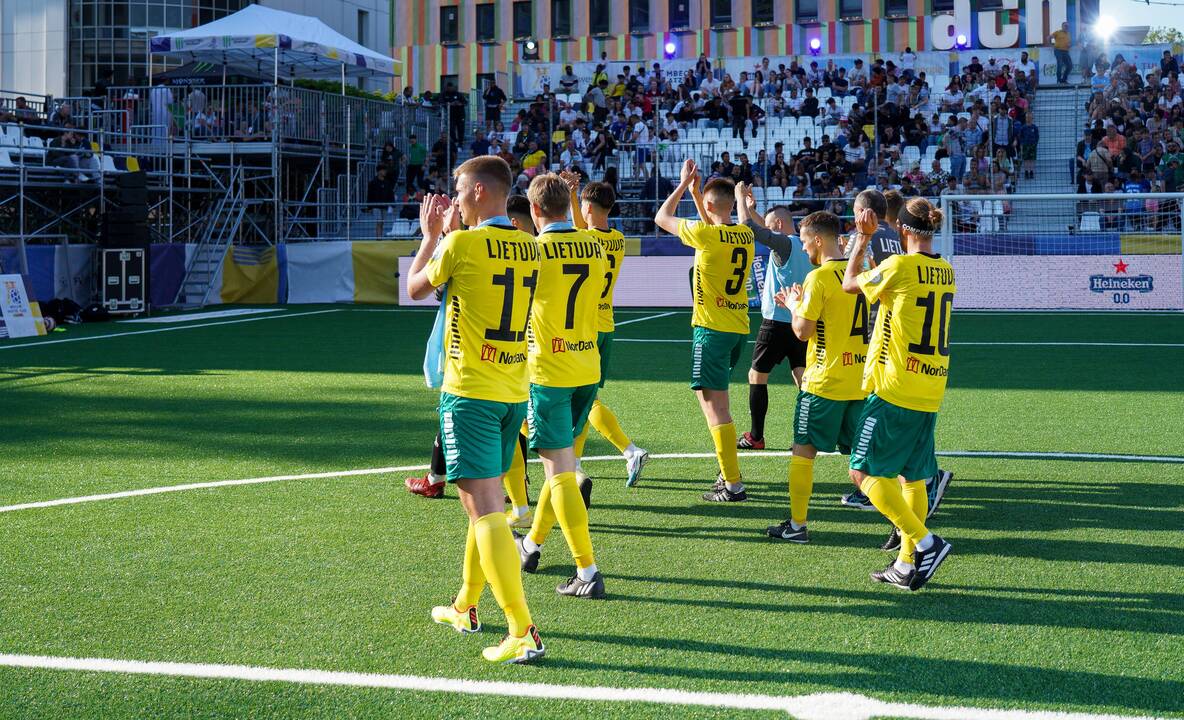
709, 86
908, 64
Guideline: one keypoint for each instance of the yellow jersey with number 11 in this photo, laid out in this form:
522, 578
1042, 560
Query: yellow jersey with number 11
563, 351
491, 274
838, 348
909, 357
613, 243
723, 258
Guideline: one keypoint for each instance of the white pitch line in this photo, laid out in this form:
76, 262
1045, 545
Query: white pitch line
818, 706
167, 329
1015, 344
1001, 455
643, 319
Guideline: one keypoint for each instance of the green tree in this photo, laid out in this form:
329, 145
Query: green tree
1163, 35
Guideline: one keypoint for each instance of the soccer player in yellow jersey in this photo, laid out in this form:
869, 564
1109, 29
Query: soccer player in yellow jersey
719, 320
589, 212
907, 365
564, 369
491, 270
834, 323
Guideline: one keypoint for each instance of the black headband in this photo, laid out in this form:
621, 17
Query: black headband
914, 223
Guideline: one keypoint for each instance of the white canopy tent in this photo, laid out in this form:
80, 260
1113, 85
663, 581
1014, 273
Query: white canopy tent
293, 46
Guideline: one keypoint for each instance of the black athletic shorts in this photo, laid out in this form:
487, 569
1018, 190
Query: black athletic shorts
775, 342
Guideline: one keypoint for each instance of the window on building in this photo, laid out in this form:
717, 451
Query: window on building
850, 8
990, 5
363, 27
896, 8
523, 19
807, 11
486, 24
446, 80
598, 17
639, 16
484, 80
680, 14
449, 24
721, 12
560, 18
762, 12
943, 5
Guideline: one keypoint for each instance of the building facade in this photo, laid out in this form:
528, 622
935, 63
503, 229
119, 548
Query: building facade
469, 41
61, 47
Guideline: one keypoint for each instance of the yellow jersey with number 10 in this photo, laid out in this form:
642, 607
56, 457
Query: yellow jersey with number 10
613, 243
838, 348
909, 358
563, 351
723, 258
491, 274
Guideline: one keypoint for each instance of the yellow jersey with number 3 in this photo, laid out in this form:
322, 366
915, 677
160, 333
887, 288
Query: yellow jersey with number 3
723, 258
909, 357
491, 274
613, 243
563, 351
838, 348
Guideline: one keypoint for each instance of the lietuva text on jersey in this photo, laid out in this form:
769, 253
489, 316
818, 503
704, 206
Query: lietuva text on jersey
562, 350
723, 260
909, 356
492, 273
613, 243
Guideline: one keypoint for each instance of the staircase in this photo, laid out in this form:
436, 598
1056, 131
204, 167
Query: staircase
217, 236
1060, 115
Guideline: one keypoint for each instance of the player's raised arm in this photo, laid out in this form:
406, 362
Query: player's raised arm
789, 298
432, 212
573, 186
666, 218
865, 227
697, 196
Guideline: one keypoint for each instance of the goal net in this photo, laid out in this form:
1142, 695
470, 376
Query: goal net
1075, 252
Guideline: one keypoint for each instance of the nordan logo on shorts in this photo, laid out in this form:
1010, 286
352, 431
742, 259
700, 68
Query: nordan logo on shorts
912, 364
558, 346
488, 352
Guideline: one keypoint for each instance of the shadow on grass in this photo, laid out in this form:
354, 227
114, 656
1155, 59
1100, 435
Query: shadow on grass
967, 680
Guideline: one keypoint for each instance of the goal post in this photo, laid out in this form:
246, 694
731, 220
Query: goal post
1107, 251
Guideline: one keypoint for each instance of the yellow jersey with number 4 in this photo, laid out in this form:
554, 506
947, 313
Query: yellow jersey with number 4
909, 357
613, 243
835, 354
563, 351
491, 274
723, 258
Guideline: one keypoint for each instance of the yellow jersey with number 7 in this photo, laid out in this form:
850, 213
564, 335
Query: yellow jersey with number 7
909, 358
723, 259
836, 352
491, 274
563, 351
613, 243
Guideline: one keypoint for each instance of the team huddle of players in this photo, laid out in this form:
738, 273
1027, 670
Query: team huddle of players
524, 336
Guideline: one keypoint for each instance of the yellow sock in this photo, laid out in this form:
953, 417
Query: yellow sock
544, 515
916, 496
606, 424
472, 576
578, 445
724, 437
801, 484
499, 560
886, 495
569, 508
515, 479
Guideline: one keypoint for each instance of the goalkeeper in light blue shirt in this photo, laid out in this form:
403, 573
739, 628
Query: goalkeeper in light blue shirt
775, 340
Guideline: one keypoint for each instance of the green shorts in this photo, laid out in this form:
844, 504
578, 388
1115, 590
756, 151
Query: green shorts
891, 441
825, 424
557, 415
604, 343
478, 436
713, 355
1027, 152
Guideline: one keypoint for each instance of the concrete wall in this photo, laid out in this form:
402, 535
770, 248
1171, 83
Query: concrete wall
33, 45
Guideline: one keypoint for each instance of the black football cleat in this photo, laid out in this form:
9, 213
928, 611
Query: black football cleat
785, 532
530, 560
928, 561
893, 541
894, 577
590, 589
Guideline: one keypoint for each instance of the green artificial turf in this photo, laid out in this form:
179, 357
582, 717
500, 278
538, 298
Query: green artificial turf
1064, 590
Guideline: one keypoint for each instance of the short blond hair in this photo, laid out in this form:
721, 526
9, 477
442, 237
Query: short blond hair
550, 194
489, 170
